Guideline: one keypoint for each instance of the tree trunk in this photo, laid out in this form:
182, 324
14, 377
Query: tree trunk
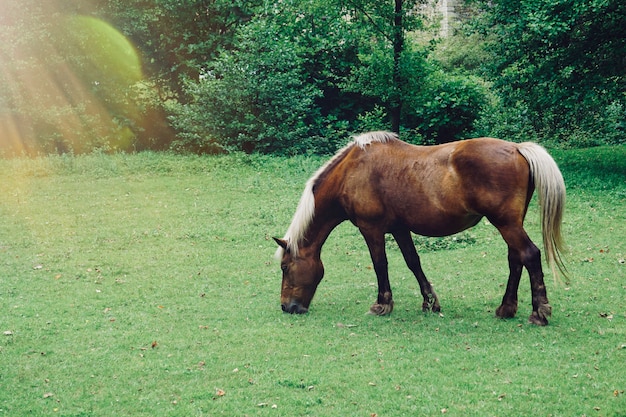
395, 105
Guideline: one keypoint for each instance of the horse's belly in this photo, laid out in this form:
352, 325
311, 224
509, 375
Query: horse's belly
442, 226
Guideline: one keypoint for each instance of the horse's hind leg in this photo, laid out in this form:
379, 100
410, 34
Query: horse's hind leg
403, 238
541, 307
508, 308
523, 252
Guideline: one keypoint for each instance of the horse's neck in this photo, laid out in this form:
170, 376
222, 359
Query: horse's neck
324, 222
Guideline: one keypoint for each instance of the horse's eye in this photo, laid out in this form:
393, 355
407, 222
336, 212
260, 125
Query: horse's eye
283, 267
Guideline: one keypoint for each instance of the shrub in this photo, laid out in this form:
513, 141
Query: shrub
447, 108
255, 98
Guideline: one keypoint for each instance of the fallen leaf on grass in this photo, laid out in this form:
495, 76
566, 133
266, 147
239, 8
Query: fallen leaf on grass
48, 395
8, 333
220, 392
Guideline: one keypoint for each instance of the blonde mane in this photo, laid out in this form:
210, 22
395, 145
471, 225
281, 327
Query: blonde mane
303, 216
368, 138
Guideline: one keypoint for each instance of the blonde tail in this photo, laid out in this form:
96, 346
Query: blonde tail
551, 191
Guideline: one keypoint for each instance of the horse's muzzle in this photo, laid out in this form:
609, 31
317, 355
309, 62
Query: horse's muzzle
294, 308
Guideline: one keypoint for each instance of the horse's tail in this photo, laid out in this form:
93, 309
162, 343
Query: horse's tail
551, 191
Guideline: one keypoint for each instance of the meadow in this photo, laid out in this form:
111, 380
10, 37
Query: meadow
145, 285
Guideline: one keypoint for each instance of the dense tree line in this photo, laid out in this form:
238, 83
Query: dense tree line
294, 76
558, 68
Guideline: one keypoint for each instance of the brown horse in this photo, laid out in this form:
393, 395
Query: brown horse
383, 185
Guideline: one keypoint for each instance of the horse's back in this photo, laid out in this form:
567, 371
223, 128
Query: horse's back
433, 190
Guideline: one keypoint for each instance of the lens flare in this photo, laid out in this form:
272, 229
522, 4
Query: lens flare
68, 83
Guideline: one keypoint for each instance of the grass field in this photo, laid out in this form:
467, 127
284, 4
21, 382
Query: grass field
144, 285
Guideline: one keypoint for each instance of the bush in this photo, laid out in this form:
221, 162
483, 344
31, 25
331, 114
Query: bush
447, 107
255, 98
519, 123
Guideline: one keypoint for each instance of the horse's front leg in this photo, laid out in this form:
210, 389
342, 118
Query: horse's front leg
405, 242
376, 244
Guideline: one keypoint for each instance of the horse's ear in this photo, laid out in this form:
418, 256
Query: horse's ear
281, 242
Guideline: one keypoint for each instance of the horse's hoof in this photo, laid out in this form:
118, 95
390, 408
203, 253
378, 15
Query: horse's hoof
544, 310
535, 319
431, 304
506, 311
381, 309
540, 317
435, 308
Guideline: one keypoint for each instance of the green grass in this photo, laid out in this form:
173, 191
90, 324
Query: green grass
144, 285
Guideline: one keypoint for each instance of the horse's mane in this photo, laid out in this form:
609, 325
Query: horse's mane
303, 216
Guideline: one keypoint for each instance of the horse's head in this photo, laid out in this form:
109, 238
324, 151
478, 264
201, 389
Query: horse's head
301, 275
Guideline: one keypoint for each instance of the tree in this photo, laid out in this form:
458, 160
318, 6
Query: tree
558, 66
66, 81
389, 21
279, 88
178, 38
255, 98
281, 77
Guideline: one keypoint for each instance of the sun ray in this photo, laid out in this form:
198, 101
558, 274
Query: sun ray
66, 81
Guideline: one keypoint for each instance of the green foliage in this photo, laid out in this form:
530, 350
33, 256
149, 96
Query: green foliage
560, 65
300, 85
177, 38
448, 106
263, 95
70, 83
299, 76
376, 119
254, 98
